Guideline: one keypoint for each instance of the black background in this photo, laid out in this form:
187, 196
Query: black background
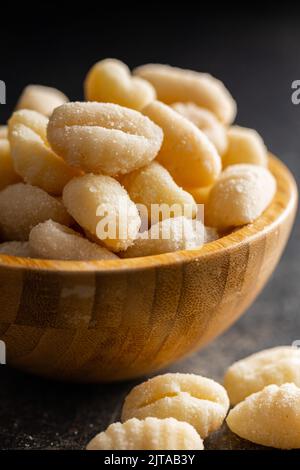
256, 52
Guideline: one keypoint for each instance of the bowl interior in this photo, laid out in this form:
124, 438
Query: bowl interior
284, 200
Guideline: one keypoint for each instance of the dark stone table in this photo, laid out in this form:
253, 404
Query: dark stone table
258, 62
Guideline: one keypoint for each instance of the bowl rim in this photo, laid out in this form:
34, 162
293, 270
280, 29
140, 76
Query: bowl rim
284, 201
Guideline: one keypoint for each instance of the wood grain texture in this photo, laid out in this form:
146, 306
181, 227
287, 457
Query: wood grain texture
111, 320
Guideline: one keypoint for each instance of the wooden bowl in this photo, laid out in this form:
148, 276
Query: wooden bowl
101, 321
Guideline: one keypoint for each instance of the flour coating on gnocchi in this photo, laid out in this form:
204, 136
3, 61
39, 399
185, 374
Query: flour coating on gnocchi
33, 159
21, 249
201, 402
240, 195
270, 417
51, 240
23, 206
148, 434
171, 234
271, 366
103, 137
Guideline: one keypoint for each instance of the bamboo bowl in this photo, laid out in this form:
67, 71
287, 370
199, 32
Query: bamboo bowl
101, 321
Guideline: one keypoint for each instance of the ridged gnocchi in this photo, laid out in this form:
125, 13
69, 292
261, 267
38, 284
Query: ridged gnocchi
186, 152
110, 81
153, 184
270, 417
23, 206
201, 402
42, 99
271, 366
103, 137
33, 159
104, 206
244, 146
240, 195
51, 240
173, 84
207, 122
171, 234
148, 434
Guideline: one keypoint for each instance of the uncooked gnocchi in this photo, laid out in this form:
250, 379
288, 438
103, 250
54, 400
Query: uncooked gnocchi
153, 184
271, 366
7, 171
21, 249
186, 152
148, 434
244, 146
171, 234
110, 81
23, 206
55, 241
240, 195
105, 210
33, 158
41, 98
103, 137
201, 402
270, 417
173, 84
207, 122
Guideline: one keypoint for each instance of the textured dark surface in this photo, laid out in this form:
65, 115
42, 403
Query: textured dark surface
258, 60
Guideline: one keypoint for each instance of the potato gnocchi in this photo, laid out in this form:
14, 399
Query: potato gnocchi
240, 195
173, 84
8, 174
33, 159
55, 241
148, 434
270, 417
42, 99
110, 81
201, 402
245, 146
186, 152
23, 206
103, 137
21, 249
271, 366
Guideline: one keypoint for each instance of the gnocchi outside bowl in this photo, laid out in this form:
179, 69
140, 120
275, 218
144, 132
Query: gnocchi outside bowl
101, 321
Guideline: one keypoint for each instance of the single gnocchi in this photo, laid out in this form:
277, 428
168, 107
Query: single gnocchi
52, 240
103, 137
270, 417
148, 434
201, 402
7, 171
33, 159
3, 132
201, 194
153, 184
110, 81
23, 206
173, 84
241, 194
245, 146
271, 366
207, 122
105, 210
186, 152
42, 99
171, 234
21, 249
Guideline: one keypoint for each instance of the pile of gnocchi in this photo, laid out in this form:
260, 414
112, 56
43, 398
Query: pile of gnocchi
177, 411
159, 136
